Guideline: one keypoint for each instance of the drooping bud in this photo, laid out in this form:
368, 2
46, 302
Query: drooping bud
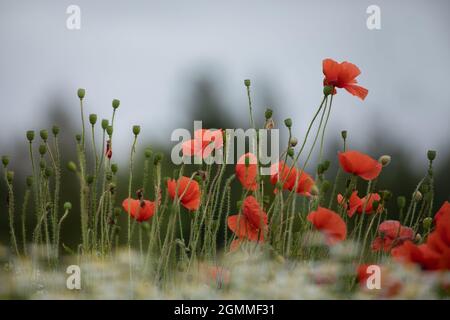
105, 124
427, 223
327, 90
42, 149
431, 154
67, 206
72, 166
417, 196
5, 161
55, 130
44, 135
385, 160
81, 93
136, 130
401, 202
268, 114
115, 103
288, 122
30, 135
93, 118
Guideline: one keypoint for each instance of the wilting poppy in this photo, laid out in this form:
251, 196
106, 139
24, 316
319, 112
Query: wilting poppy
359, 164
357, 204
330, 224
343, 75
246, 171
188, 192
203, 144
251, 224
141, 210
281, 172
391, 234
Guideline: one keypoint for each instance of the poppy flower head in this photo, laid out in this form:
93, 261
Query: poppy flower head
352, 204
140, 210
246, 171
359, 164
188, 192
251, 224
203, 144
391, 234
330, 224
343, 75
304, 184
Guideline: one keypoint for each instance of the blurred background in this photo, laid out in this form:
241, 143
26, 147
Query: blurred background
171, 62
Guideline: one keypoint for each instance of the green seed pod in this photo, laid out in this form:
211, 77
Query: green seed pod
67, 206
105, 124
42, 149
431, 154
326, 165
401, 202
55, 130
114, 168
90, 179
5, 161
109, 131
29, 181
288, 122
115, 103
325, 186
290, 152
158, 158
10, 176
93, 118
268, 114
48, 172
44, 134
344, 134
42, 164
247, 82
30, 135
148, 152
78, 138
327, 90
427, 223
72, 166
81, 93
136, 130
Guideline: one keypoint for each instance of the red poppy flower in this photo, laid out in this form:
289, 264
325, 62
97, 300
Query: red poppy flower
444, 208
251, 224
141, 210
247, 172
359, 164
330, 224
357, 204
343, 75
304, 184
188, 192
203, 144
408, 252
391, 234
281, 172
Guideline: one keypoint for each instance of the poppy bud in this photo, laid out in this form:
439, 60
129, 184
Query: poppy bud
67, 206
30, 135
270, 124
136, 130
48, 172
81, 93
268, 114
293, 142
115, 103
42, 149
90, 179
427, 223
418, 238
44, 135
290, 152
327, 90
424, 188
314, 190
105, 124
72, 166
431, 154
320, 169
247, 82
326, 165
384, 160
148, 152
158, 158
55, 130
29, 181
42, 164
401, 202
10, 176
78, 138
93, 118
114, 168
386, 195
344, 134
109, 131
417, 195
5, 161
325, 186
288, 122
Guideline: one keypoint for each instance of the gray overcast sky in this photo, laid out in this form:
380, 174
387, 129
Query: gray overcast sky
144, 53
